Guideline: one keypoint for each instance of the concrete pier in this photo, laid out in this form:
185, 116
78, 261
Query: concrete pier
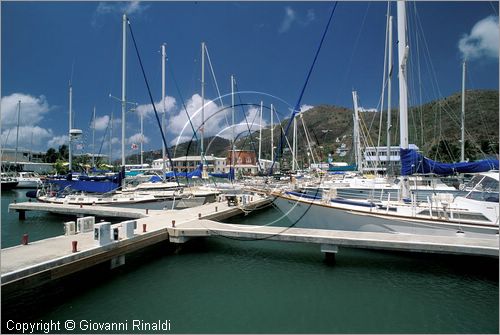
330, 240
78, 210
42, 261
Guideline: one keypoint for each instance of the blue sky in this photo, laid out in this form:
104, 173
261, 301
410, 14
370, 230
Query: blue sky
268, 46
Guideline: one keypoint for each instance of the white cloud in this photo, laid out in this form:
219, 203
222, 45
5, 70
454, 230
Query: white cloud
305, 108
311, 16
118, 8
290, 16
482, 40
215, 121
136, 138
168, 103
57, 141
178, 122
33, 109
101, 123
128, 7
29, 137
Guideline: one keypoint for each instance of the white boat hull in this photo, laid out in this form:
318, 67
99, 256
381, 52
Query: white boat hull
311, 214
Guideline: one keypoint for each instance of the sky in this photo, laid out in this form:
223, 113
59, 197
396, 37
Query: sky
268, 47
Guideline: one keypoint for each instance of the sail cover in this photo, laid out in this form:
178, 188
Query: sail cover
195, 173
229, 175
414, 162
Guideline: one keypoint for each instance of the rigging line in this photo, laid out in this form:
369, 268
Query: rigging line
182, 99
386, 47
493, 7
297, 105
216, 85
349, 65
252, 142
308, 138
419, 72
281, 128
152, 101
102, 142
301, 116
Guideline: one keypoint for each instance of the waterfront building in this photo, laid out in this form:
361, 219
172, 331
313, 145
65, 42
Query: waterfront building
376, 160
191, 163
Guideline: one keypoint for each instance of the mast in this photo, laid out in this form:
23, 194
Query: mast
142, 139
260, 136
294, 143
403, 89
357, 142
31, 148
202, 151
110, 136
389, 95
163, 58
272, 133
124, 60
70, 159
17, 133
462, 142
93, 139
232, 120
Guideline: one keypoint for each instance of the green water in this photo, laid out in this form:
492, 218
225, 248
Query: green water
219, 285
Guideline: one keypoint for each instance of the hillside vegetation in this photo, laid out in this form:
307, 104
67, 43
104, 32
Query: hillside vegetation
434, 127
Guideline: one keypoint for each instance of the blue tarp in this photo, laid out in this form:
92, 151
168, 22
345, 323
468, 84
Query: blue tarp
91, 184
414, 162
86, 185
229, 175
195, 173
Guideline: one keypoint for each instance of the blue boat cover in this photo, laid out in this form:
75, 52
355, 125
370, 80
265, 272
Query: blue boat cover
195, 173
86, 185
414, 162
229, 175
91, 184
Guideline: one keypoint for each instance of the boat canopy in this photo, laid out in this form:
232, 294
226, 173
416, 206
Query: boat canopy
413, 162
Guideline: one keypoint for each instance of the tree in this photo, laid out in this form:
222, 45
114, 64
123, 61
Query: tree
50, 156
63, 152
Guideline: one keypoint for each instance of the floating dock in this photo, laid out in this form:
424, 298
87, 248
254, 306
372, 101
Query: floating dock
330, 240
43, 261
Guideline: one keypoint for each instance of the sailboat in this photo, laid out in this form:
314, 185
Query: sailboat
475, 215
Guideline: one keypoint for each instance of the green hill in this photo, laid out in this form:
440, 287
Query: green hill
434, 127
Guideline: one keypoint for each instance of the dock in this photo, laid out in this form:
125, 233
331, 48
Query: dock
54, 257
330, 240
43, 261
77, 210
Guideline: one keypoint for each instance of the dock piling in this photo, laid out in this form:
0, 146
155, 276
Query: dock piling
147, 210
330, 250
22, 215
173, 223
143, 227
24, 240
74, 246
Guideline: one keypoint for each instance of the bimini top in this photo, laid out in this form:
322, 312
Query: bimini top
413, 162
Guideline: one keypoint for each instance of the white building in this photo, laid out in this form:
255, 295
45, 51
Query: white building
191, 163
376, 160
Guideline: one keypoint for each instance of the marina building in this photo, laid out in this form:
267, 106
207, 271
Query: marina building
376, 160
191, 163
